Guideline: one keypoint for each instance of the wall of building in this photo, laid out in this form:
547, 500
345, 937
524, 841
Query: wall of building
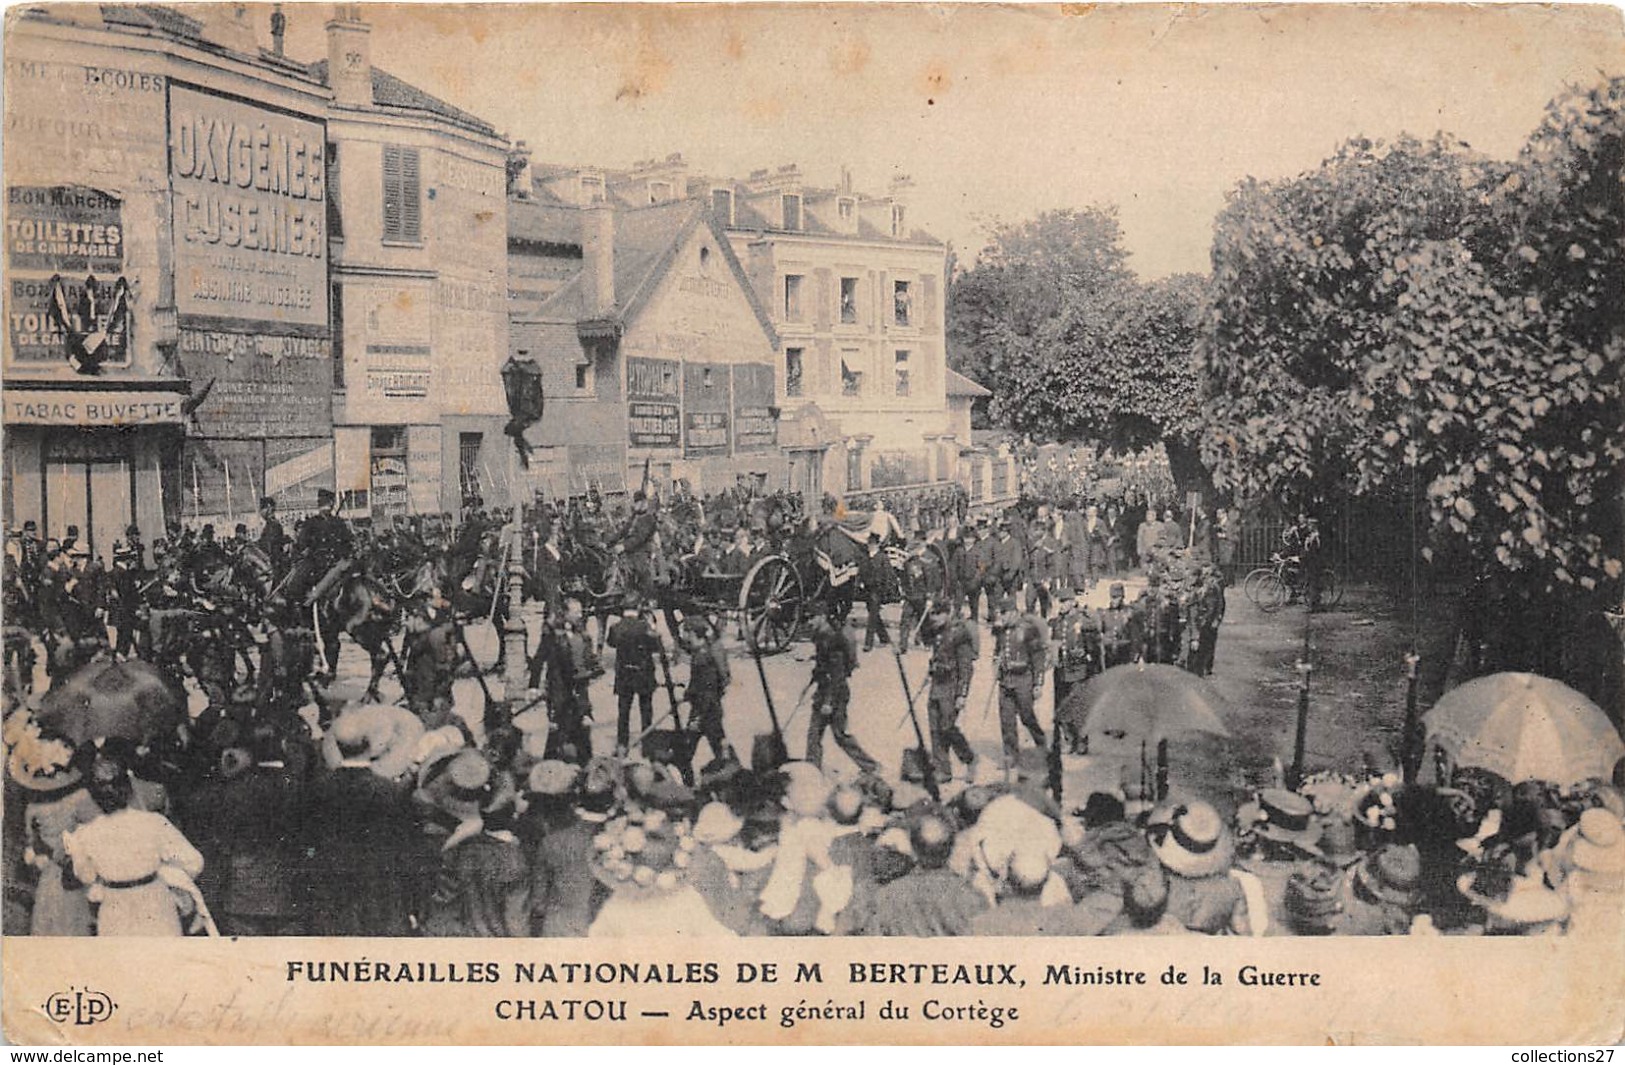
896, 433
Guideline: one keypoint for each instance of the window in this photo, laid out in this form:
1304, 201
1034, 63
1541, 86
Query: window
792, 372
792, 297
902, 302
335, 217
854, 468
468, 467
335, 325
659, 191
851, 380
403, 195
849, 300
897, 229
844, 209
722, 205
792, 211
581, 378
705, 377
901, 362
389, 438
592, 188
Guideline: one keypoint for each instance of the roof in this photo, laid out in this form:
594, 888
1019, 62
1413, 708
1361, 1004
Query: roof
153, 16
539, 222
647, 242
390, 91
960, 385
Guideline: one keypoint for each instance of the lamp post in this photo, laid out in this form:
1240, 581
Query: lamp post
521, 383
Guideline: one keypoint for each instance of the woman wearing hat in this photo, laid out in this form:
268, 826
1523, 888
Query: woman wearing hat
57, 804
1591, 873
484, 885
122, 855
1198, 852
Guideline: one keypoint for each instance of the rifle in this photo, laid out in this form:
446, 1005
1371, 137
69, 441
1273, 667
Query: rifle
801, 700
926, 759
681, 748
778, 752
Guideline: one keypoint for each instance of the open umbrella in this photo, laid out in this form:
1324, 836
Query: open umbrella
1151, 702
1524, 727
130, 700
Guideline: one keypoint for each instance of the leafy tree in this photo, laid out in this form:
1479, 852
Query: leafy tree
1071, 343
1413, 318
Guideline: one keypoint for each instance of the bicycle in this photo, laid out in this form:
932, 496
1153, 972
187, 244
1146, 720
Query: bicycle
1273, 586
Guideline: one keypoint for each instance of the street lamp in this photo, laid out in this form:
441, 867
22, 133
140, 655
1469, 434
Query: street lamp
522, 384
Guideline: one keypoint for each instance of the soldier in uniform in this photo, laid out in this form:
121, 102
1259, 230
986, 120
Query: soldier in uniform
953, 661
1119, 631
914, 597
835, 659
1158, 608
635, 543
636, 646
571, 666
975, 574
1076, 636
273, 540
1206, 614
879, 582
1009, 561
708, 679
324, 548
1022, 650
129, 569
430, 650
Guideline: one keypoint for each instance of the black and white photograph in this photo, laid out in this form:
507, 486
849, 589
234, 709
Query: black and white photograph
669, 474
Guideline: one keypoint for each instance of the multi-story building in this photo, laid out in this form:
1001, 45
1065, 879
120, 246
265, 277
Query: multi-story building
217, 253
655, 352
852, 291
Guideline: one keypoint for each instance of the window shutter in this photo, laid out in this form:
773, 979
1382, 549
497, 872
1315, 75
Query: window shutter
825, 299
392, 192
411, 196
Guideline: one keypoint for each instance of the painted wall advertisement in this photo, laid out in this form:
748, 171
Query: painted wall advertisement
754, 426
705, 410
423, 466
250, 210
654, 414
64, 268
260, 386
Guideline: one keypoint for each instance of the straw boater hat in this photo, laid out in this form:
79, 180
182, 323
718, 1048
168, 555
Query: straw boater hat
1194, 841
1283, 817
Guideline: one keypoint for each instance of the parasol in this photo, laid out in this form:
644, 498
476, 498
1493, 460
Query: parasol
129, 700
1525, 727
1151, 702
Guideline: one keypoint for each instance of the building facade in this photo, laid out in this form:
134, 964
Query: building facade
231, 273
654, 351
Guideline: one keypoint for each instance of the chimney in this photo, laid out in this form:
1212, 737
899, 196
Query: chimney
279, 30
598, 258
349, 57
519, 184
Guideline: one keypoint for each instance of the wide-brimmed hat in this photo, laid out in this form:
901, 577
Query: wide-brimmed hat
1281, 816
1392, 875
1194, 840
464, 785
1527, 903
1599, 844
717, 823
1339, 843
552, 778
806, 789
43, 765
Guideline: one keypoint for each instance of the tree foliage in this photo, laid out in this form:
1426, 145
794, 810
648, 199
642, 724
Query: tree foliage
1071, 343
1413, 319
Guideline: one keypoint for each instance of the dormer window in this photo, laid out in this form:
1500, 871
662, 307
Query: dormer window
792, 211
659, 191
592, 188
845, 209
722, 204
897, 229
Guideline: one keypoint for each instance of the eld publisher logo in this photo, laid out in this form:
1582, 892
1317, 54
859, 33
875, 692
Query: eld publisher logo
80, 1005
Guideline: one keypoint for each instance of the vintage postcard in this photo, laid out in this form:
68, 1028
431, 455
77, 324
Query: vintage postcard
813, 523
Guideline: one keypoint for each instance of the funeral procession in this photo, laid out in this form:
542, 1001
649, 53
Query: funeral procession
416, 530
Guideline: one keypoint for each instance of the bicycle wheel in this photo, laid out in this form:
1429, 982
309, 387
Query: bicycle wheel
1271, 593
1249, 583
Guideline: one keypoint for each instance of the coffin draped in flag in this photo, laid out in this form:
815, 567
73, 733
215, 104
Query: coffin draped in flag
522, 382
